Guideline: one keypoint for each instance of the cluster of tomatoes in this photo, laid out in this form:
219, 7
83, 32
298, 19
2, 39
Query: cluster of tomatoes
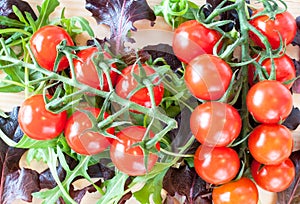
216, 124
79, 126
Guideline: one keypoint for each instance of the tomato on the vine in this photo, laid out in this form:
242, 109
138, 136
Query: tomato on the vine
126, 84
242, 191
274, 178
269, 101
270, 144
216, 165
215, 123
81, 138
128, 158
85, 70
284, 68
208, 77
43, 44
39, 123
192, 39
282, 27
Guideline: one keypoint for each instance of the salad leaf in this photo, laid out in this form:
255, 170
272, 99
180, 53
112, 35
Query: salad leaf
184, 181
120, 16
293, 120
7, 11
15, 182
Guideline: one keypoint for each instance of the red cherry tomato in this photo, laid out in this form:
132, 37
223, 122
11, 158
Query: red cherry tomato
43, 44
274, 178
37, 122
128, 158
85, 70
269, 102
284, 25
270, 144
216, 165
242, 191
284, 68
192, 39
126, 83
79, 136
215, 123
208, 77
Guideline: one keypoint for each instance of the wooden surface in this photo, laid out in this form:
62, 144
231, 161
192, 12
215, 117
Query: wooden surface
76, 7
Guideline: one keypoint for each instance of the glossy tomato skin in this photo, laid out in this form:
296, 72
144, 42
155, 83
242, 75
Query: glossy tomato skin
216, 165
242, 191
269, 102
284, 25
129, 159
80, 138
270, 144
215, 123
192, 39
285, 69
208, 77
37, 122
274, 178
43, 44
85, 70
126, 83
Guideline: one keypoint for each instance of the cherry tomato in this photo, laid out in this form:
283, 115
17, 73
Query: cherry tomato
270, 144
79, 136
284, 68
215, 123
128, 158
283, 25
43, 44
85, 70
192, 39
269, 101
242, 191
208, 77
216, 165
126, 83
274, 178
37, 122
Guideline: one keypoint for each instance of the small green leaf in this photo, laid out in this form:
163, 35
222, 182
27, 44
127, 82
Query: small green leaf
84, 24
45, 10
4, 20
20, 15
114, 189
27, 142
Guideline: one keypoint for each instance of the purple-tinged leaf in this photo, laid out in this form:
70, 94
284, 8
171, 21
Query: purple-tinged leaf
296, 85
77, 195
15, 182
19, 185
292, 194
120, 16
293, 120
184, 181
296, 40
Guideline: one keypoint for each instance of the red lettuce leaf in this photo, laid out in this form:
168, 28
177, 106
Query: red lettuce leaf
184, 181
120, 15
15, 183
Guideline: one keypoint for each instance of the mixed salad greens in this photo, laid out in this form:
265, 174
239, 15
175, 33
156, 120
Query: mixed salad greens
188, 122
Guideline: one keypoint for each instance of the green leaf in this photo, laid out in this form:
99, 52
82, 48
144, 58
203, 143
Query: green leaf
20, 15
26, 142
152, 189
114, 189
45, 10
84, 24
3, 114
38, 154
4, 20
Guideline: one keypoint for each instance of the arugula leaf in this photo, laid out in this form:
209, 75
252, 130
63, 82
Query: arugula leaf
120, 15
45, 10
114, 189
